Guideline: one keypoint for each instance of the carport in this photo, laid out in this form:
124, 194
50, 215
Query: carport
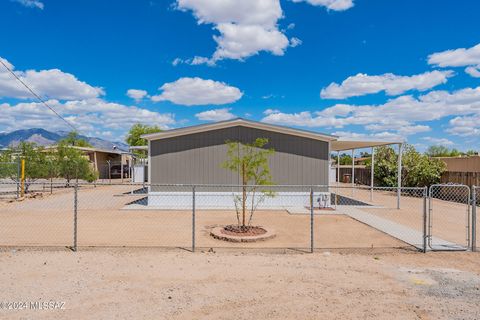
355, 144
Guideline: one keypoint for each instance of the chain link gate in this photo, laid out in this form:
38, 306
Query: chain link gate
449, 218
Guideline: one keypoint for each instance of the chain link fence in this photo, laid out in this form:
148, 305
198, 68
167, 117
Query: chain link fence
200, 217
475, 218
449, 222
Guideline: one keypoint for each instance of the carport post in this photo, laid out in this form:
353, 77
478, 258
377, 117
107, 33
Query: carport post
75, 214
474, 218
353, 170
399, 174
311, 220
372, 174
425, 236
338, 167
338, 178
193, 219
121, 168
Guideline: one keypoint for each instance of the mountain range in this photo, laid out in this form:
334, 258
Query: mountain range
44, 137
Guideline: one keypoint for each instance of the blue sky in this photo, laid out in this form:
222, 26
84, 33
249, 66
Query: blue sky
356, 68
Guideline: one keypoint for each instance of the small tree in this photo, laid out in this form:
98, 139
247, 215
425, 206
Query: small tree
71, 164
136, 131
35, 162
442, 151
250, 161
418, 170
8, 167
385, 170
73, 139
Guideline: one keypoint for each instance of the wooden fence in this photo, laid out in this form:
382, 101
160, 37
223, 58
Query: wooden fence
362, 176
466, 178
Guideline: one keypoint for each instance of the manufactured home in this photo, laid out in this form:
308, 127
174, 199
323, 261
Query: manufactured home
194, 155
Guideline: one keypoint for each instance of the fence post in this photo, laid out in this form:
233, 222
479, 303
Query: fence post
474, 218
311, 220
425, 195
22, 177
193, 219
18, 177
75, 213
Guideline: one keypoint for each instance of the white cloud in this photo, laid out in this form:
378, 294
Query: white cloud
403, 116
462, 57
137, 94
336, 5
465, 125
242, 41
31, 3
215, 115
294, 42
51, 84
245, 27
473, 71
438, 141
177, 61
456, 58
362, 84
88, 116
197, 91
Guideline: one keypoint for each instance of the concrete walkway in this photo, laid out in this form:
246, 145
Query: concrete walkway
401, 232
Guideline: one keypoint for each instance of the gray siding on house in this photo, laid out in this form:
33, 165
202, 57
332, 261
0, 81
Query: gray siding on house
197, 158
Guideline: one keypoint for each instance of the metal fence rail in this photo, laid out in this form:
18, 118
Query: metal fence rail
300, 218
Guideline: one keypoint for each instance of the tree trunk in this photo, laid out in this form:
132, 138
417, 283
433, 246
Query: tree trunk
244, 193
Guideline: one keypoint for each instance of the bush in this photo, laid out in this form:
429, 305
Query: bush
418, 170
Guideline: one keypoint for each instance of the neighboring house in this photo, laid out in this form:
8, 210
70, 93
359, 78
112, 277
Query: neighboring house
103, 160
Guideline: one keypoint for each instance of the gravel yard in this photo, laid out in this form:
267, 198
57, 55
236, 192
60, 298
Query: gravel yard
153, 283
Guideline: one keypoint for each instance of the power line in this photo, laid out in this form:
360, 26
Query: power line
37, 96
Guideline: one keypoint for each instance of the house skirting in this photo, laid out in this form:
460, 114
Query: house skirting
225, 200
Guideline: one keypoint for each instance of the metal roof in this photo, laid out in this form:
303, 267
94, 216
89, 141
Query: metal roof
239, 122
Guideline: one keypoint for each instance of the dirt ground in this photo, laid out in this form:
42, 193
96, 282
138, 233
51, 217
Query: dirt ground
156, 284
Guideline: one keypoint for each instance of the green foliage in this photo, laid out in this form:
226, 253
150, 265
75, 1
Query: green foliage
250, 161
365, 154
70, 163
442, 151
72, 139
136, 131
418, 170
35, 162
385, 170
8, 165
471, 152
345, 159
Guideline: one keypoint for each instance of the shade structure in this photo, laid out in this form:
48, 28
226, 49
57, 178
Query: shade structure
350, 144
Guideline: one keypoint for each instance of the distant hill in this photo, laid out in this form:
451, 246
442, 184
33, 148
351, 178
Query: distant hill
43, 137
